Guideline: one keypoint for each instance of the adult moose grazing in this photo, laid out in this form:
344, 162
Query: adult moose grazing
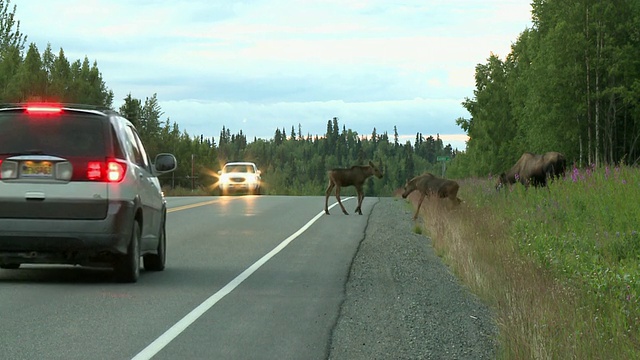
534, 169
431, 185
355, 176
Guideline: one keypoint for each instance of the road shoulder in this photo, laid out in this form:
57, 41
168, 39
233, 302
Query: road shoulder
403, 302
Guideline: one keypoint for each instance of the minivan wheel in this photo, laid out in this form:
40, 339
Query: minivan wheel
156, 262
127, 267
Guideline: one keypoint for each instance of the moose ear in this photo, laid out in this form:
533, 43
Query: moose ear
371, 163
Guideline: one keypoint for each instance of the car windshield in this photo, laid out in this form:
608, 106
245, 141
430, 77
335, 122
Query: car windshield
238, 168
61, 135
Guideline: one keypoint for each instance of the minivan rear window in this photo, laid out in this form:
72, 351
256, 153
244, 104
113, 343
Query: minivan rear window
66, 134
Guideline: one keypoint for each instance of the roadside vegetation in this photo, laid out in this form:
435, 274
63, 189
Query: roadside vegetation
560, 265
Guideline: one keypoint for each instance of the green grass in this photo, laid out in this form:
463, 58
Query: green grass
584, 231
560, 265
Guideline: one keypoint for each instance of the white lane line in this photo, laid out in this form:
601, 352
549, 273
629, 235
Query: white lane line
173, 332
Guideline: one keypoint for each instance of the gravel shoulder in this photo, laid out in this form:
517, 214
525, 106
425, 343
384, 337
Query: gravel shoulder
403, 302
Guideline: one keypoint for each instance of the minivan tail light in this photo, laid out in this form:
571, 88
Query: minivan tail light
8, 169
94, 170
115, 171
110, 170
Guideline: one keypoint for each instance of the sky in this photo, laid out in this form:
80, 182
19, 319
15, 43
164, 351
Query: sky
260, 65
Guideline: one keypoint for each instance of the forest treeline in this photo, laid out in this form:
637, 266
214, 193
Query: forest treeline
571, 83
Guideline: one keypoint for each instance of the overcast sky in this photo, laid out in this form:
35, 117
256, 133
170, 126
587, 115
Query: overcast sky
258, 65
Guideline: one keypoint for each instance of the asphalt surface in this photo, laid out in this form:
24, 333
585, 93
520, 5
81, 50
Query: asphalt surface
256, 277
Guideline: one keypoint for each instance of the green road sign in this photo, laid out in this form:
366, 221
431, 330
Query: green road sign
443, 158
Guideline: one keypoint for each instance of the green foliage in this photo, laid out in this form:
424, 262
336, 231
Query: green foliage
10, 35
569, 84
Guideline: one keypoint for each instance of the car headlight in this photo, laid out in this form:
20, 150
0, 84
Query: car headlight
253, 180
224, 179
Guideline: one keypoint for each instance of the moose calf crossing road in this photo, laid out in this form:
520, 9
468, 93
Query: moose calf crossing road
297, 302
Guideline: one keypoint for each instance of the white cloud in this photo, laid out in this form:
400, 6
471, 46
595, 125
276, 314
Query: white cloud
258, 65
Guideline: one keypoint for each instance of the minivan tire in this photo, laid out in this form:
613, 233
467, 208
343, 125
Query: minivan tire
127, 267
156, 262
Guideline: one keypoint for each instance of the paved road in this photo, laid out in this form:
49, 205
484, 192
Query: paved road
248, 277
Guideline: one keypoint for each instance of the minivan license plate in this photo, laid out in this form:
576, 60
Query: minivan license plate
36, 169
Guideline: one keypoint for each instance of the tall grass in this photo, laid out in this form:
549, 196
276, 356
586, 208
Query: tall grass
560, 265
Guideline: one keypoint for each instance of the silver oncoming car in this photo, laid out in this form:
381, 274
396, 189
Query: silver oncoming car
241, 176
77, 187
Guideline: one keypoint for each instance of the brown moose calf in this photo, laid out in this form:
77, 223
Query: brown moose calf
355, 176
430, 185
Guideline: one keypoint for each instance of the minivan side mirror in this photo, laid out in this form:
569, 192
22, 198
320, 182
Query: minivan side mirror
165, 163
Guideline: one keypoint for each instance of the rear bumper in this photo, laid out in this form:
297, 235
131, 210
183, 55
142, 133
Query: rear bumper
67, 241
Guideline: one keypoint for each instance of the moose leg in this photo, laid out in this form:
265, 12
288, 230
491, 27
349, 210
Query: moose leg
422, 196
360, 198
340, 202
326, 197
453, 194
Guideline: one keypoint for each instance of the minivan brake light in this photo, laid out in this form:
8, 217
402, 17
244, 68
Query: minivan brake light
43, 108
